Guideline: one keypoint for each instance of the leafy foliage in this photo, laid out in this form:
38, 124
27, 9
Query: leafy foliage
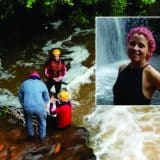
29, 3
6, 9
148, 1
80, 11
118, 7
143, 5
3, 112
79, 16
89, 2
51, 3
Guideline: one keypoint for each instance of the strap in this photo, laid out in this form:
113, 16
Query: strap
145, 66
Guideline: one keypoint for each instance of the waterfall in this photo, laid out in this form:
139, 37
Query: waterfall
110, 40
110, 53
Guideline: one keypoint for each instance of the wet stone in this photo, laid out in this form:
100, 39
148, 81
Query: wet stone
3, 154
33, 157
82, 133
60, 144
1, 147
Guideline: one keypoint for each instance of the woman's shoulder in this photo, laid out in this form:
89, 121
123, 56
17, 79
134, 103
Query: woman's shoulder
122, 67
151, 71
153, 75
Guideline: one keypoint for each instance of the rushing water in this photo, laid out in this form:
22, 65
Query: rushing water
125, 132
120, 132
117, 132
78, 51
111, 53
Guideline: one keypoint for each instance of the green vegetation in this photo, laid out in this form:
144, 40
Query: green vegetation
3, 112
119, 7
148, 1
79, 16
80, 12
143, 5
30, 3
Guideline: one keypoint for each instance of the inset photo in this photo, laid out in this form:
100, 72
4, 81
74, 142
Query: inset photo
127, 60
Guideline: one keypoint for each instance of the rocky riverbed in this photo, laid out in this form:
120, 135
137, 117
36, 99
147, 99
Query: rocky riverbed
60, 144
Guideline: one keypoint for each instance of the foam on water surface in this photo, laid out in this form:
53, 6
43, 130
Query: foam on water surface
124, 132
78, 74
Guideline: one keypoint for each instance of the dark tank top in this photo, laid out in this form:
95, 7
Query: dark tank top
128, 87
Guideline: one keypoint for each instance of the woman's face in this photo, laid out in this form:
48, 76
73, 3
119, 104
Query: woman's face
138, 48
56, 57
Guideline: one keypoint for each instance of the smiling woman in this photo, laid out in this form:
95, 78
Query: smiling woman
138, 80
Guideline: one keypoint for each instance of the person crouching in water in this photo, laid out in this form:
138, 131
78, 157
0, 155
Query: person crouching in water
63, 109
55, 69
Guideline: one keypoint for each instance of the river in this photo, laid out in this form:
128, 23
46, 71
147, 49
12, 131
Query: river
125, 132
116, 132
120, 132
78, 51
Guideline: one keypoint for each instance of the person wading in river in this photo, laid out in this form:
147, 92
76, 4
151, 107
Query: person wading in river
55, 70
34, 96
138, 80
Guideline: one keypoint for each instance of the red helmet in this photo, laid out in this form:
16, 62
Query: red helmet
35, 73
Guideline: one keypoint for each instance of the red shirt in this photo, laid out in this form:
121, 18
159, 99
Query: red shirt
64, 114
55, 69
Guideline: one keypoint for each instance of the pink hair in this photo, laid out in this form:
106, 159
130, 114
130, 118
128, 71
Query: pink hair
148, 35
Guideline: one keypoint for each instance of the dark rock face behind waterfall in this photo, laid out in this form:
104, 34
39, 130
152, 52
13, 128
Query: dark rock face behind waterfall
72, 144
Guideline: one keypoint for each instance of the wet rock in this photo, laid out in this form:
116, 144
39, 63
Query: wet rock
12, 121
1, 147
35, 153
82, 133
39, 150
33, 157
55, 149
12, 155
16, 134
3, 154
73, 145
60, 144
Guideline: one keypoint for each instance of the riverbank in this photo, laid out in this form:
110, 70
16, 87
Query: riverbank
72, 143
78, 50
